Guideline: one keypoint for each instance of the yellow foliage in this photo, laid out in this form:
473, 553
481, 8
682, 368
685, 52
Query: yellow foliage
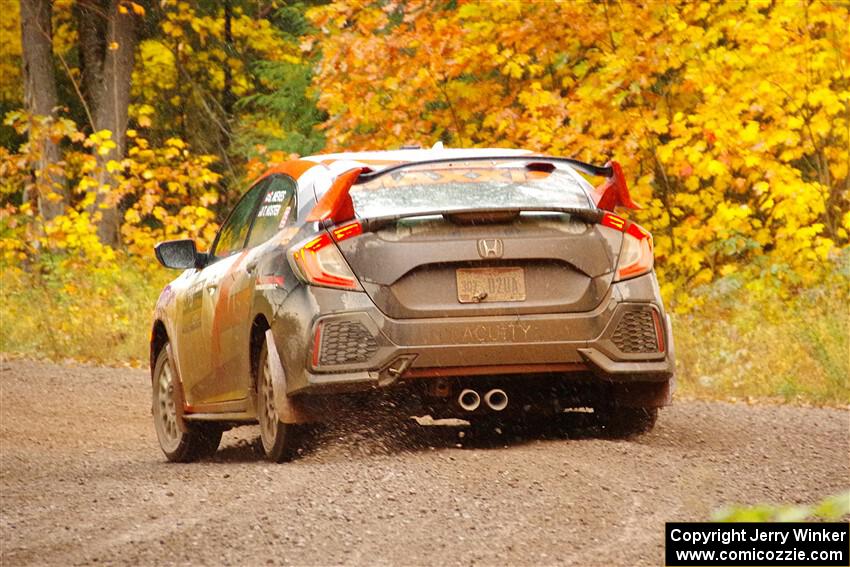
751, 341
731, 119
11, 81
195, 36
119, 295
170, 191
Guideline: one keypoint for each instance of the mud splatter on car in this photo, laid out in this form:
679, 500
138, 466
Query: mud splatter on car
477, 284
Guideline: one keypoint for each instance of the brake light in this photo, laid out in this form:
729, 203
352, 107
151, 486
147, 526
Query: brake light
613, 221
347, 231
636, 256
321, 263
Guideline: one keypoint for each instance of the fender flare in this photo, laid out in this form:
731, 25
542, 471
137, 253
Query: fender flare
288, 410
177, 395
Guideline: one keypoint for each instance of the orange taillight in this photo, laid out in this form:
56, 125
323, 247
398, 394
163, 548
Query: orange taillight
347, 231
321, 263
636, 257
613, 221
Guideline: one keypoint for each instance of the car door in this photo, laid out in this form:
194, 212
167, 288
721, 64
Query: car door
203, 357
276, 210
187, 333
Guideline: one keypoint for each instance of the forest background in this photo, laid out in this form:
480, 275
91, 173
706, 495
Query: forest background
126, 123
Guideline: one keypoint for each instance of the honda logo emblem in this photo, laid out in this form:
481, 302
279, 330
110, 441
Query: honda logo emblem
494, 248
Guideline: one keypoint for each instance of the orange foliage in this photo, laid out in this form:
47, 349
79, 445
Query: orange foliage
731, 119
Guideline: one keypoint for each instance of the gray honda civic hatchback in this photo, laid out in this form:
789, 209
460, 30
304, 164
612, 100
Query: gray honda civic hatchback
477, 284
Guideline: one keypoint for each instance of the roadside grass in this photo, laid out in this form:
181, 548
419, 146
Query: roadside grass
742, 345
84, 312
738, 346
830, 509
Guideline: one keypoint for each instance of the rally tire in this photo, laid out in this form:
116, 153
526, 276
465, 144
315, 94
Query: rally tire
201, 440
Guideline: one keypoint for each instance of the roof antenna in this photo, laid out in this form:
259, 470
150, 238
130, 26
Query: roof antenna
438, 145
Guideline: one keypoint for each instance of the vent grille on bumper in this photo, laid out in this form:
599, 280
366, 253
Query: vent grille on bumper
346, 342
636, 333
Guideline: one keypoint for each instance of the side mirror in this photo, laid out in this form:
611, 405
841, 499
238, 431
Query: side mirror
179, 254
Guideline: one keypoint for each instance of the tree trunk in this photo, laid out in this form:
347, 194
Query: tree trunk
107, 38
40, 100
91, 44
228, 99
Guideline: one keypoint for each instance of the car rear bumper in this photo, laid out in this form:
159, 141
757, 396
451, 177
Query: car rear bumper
340, 341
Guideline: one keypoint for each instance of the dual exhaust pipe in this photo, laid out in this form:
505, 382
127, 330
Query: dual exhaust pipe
470, 400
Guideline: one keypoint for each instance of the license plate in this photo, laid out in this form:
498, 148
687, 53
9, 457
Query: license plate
488, 285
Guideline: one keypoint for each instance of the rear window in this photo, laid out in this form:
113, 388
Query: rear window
454, 189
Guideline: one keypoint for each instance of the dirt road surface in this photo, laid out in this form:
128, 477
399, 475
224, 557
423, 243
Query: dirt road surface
83, 482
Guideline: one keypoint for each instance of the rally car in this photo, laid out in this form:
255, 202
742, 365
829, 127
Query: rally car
476, 283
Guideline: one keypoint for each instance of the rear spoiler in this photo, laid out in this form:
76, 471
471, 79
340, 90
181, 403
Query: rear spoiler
587, 215
335, 206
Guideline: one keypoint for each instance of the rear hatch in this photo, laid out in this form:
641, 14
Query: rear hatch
471, 241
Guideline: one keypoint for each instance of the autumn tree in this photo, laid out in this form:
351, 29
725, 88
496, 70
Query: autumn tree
229, 78
731, 119
48, 190
189, 89
107, 40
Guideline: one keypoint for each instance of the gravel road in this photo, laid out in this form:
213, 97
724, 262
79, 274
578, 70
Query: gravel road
83, 482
